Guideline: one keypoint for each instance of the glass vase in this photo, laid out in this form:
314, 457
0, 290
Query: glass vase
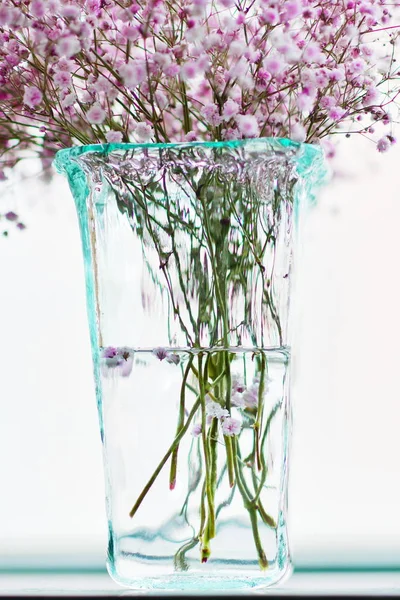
188, 254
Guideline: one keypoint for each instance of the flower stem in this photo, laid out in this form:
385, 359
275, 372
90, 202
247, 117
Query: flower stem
165, 458
181, 420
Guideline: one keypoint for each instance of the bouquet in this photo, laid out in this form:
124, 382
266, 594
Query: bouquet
97, 71
110, 72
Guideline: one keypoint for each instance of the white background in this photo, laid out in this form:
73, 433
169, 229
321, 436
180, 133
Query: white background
345, 483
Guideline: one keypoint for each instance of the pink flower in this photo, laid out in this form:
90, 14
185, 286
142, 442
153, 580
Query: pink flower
312, 53
298, 132
304, 102
96, 115
214, 409
130, 32
270, 16
114, 137
32, 96
196, 430
248, 126
188, 70
237, 399
68, 46
383, 144
231, 426
211, 113
133, 73
327, 102
336, 113
250, 396
117, 359
38, 8
161, 353
231, 108
292, 8
143, 132
273, 64
62, 79
173, 358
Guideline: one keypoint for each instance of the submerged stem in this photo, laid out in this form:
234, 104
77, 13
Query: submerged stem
164, 459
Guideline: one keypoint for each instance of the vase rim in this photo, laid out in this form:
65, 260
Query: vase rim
273, 143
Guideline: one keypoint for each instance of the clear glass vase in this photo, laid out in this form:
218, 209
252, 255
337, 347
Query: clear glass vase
188, 254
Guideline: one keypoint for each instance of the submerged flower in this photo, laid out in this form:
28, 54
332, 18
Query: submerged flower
231, 426
117, 358
170, 357
197, 429
213, 409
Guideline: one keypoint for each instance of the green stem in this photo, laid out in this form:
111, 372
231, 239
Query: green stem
250, 506
264, 468
229, 460
164, 459
212, 448
181, 421
205, 547
260, 409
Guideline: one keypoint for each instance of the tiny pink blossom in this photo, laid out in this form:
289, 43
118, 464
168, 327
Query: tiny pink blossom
160, 353
304, 102
133, 73
292, 8
237, 400
336, 113
298, 132
231, 426
214, 409
383, 144
143, 132
270, 16
188, 70
69, 11
196, 430
114, 137
130, 32
273, 64
248, 126
32, 96
62, 79
172, 70
11, 216
173, 358
327, 102
68, 46
96, 115
312, 53
38, 8
250, 396
231, 108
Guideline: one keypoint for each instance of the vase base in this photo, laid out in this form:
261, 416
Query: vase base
195, 583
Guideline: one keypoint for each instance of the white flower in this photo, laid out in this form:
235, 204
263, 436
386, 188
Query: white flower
237, 400
231, 426
213, 409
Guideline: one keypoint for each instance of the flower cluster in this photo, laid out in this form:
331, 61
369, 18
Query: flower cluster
84, 71
119, 359
242, 397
